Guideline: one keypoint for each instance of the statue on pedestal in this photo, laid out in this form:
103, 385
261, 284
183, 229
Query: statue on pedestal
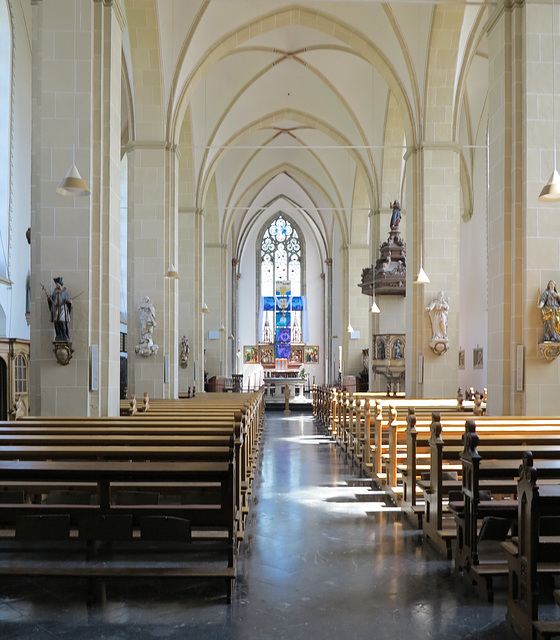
549, 304
60, 307
185, 350
438, 310
148, 323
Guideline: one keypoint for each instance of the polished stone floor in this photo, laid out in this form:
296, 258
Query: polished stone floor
323, 557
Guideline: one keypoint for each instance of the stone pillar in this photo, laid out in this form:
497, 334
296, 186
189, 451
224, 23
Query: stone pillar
148, 200
105, 189
436, 224
199, 297
171, 338
76, 103
523, 245
234, 307
331, 370
358, 259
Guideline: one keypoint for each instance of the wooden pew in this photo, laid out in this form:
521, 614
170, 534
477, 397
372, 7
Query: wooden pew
438, 454
102, 522
495, 471
164, 436
534, 552
206, 409
126, 438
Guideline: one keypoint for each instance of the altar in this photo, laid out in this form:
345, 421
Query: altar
274, 383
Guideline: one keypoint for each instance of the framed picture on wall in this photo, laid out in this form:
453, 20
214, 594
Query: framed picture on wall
296, 355
250, 355
266, 355
311, 355
478, 358
461, 358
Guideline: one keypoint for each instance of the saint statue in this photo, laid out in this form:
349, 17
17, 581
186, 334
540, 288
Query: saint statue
185, 350
60, 306
148, 323
438, 310
396, 215
549, 304
19, 409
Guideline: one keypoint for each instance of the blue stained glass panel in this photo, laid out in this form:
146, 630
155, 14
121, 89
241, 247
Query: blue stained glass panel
297, 303
268, 304
283, 319
283, 350
283, 334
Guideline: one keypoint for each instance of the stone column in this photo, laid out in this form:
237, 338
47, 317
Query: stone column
330, 370
148, 201
76, 104
234, 308
523, 237
436, 225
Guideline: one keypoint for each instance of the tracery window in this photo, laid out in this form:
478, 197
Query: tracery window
280, 257
281, 286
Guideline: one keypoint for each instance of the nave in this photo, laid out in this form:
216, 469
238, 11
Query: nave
323, 557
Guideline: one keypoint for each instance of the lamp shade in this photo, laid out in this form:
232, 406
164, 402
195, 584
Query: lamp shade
73, 184
205, 308
172, 272
551, 190
374, 307
350, 328
422, 278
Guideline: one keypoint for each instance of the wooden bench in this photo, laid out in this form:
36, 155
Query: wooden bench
127, 527
534, 552
435, 450
477, 552
126, 439
97, 478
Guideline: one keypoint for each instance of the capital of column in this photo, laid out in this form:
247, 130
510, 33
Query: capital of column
116, 5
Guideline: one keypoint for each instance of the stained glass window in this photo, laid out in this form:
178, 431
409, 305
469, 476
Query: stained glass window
281, 256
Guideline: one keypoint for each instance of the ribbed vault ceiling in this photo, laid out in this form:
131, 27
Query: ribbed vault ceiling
313, 103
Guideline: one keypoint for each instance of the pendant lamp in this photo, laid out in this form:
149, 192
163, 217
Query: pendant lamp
73, 184
172, 272
374, 307
421, 278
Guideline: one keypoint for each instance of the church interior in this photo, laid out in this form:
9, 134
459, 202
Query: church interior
274, 197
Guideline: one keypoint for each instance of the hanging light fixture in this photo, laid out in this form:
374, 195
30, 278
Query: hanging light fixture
73, 184
551, 190
350, 328
421, 278
205, 308
374, 307
172, 272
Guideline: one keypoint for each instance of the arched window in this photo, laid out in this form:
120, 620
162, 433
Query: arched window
282, 287
5, 129
20, 374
